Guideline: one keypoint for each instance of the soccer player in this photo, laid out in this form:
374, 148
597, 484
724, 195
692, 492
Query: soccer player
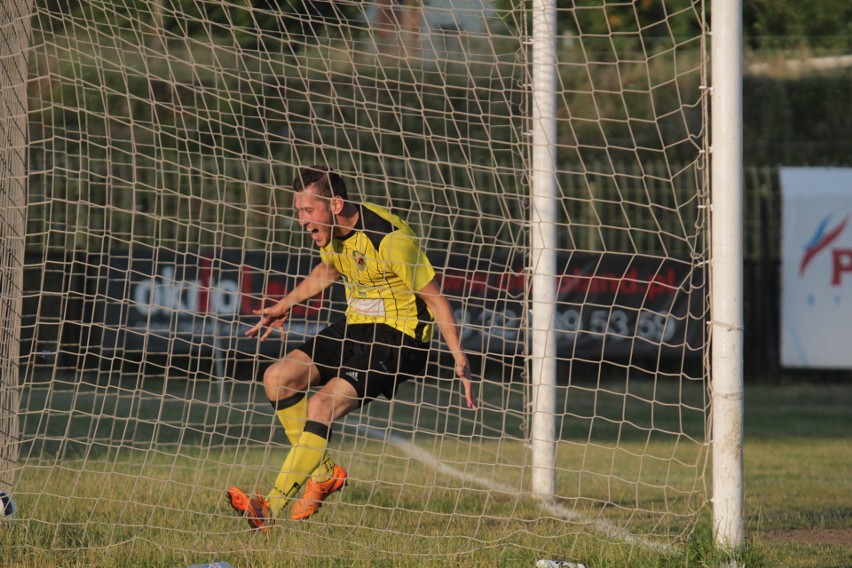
393, 303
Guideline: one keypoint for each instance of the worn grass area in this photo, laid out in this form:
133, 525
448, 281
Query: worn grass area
798, 490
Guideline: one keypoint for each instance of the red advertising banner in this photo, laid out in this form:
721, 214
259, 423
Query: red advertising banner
610, 306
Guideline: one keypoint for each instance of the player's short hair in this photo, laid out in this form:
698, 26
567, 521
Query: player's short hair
326, 182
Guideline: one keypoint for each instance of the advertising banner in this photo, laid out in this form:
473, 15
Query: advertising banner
610, 306
816, 261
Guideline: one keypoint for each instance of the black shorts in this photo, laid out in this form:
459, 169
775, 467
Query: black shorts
373, 358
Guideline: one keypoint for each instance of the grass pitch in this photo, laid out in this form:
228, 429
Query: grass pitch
118, 506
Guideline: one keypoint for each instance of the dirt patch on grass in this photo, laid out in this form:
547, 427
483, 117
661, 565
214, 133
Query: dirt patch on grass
841, 537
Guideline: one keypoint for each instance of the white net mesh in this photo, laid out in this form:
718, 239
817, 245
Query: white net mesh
163, 138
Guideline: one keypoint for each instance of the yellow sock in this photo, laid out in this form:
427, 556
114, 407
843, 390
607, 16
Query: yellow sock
303, 459
291, 412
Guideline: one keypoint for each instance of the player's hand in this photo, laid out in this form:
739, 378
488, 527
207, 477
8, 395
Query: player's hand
463, 372
270, 318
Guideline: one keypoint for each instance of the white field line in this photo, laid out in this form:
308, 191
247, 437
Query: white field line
558, 511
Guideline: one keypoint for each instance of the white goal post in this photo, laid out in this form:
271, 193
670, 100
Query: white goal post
555, 161
13, 111
727, 279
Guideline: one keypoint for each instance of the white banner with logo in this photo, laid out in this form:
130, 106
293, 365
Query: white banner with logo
816, 266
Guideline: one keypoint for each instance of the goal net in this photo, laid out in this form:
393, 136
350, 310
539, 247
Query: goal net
149, 151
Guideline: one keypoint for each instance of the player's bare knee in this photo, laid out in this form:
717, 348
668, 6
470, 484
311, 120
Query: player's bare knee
287, 376
278, 382
271, 376
332, 403
321, 409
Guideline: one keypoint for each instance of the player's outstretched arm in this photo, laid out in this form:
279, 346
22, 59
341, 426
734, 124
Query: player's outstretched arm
321, 277
438, 304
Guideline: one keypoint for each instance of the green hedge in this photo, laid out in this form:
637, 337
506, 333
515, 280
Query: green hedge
798, 122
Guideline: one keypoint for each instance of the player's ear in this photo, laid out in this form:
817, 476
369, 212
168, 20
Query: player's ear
336, 204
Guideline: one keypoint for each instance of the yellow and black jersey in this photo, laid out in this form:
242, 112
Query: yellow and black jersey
382, 266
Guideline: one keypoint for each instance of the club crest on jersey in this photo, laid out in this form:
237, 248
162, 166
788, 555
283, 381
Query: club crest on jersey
360, 261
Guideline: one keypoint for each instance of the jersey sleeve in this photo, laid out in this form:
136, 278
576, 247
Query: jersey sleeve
406, 259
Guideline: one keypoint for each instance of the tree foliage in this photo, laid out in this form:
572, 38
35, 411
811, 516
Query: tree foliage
818, 24
767, 24
244, 21
788, 120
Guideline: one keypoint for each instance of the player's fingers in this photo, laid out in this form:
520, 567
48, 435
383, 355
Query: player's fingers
273, 325
255, 329
470, 395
